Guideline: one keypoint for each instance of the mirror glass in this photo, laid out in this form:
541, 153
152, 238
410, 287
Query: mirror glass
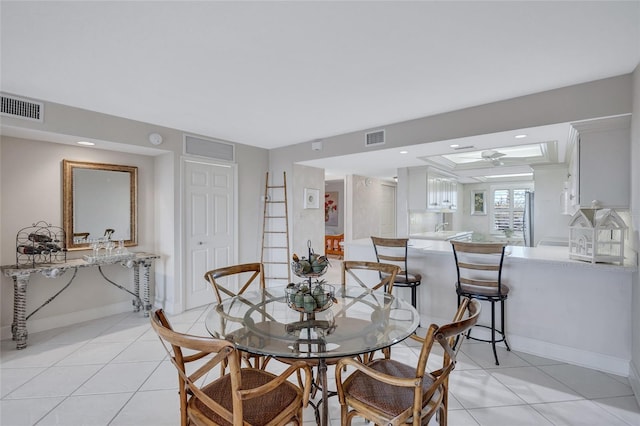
99, 202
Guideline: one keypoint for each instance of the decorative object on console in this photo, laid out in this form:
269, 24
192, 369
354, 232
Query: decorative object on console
40, 243
597, 235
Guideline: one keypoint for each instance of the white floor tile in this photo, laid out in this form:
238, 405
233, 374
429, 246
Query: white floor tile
25, 412
165, 376
482, 354
122, 332
158, 408
589, 383
625, 408
87, 410
478, 389
36, 355
577, 413
142, 350
534, 386
520, 415
94, 353
116, 378
55, 381
12, 378
458, 418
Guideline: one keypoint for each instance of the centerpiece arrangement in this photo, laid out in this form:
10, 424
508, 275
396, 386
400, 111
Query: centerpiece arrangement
309, 296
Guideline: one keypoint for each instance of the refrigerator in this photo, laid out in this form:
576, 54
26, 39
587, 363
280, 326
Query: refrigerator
527, 219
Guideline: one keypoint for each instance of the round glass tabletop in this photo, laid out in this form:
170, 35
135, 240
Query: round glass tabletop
358, 321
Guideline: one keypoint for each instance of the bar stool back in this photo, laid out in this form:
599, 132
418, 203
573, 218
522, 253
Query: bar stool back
394, 251
479, 269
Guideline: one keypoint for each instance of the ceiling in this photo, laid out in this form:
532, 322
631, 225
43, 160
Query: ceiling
271, 74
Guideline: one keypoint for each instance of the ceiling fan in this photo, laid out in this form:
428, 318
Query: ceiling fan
493, 156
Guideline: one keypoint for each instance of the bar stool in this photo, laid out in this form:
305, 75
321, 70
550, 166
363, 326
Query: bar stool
394, 251
479, 269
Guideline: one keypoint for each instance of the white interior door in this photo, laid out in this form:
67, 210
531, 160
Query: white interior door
208, 227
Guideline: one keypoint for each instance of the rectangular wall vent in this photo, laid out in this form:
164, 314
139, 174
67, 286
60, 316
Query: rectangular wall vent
209, 148
22, 108
374, 138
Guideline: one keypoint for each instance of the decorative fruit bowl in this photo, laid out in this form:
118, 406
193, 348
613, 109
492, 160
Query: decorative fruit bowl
315, 266
303, 297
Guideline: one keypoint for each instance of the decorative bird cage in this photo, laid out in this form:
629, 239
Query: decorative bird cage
597, 235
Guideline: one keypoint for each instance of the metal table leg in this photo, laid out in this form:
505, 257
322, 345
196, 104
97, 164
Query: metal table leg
322, 375
144, 283
19, 325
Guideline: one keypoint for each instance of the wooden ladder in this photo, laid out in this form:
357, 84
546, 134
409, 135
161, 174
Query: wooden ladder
275, 233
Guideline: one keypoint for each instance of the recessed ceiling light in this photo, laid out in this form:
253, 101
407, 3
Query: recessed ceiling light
455, 145
404, 152
520, 136
86, 143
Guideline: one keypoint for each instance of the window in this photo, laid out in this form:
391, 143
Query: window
508, 208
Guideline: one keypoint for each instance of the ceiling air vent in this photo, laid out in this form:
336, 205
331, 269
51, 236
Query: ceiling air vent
374, 138
22, 108
209, 148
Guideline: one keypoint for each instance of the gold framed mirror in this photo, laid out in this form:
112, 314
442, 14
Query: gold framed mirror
99, 201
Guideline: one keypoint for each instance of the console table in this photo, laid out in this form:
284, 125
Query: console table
140, 262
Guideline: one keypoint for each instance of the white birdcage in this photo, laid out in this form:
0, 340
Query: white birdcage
597, 235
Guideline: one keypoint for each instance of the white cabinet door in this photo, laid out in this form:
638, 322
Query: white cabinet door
604, 150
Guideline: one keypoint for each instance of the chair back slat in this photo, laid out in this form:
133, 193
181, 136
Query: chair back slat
248, 272
355, 270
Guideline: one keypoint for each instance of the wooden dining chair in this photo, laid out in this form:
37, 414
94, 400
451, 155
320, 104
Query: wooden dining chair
389, 392
479, 270
373, 275
395, 251
243, 276
244, 396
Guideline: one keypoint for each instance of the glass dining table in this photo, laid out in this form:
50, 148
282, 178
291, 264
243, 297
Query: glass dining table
359, 321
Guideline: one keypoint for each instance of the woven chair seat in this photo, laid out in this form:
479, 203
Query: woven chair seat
408, 279
258, 411
389, 399
475, 290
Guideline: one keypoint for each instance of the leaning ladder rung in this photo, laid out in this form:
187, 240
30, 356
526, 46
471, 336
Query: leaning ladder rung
276, 263
275, 202
274, 232
276, 186
275, 217
277, 278
275, 247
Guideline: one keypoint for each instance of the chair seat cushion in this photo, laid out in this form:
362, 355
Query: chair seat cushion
407, 279
391, 400
475, 290
257, 411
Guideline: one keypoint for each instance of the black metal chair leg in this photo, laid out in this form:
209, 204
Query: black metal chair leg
504, 334
493, 331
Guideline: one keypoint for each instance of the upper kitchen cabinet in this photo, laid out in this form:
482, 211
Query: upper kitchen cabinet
430, 189
602, 163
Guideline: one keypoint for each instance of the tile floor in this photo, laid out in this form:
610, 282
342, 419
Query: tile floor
113, 371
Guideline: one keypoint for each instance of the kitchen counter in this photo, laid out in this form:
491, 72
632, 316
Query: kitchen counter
441, 235
558, 308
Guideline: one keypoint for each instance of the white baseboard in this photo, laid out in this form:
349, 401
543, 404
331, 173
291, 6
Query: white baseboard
593, 360
634, 379
48, 323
